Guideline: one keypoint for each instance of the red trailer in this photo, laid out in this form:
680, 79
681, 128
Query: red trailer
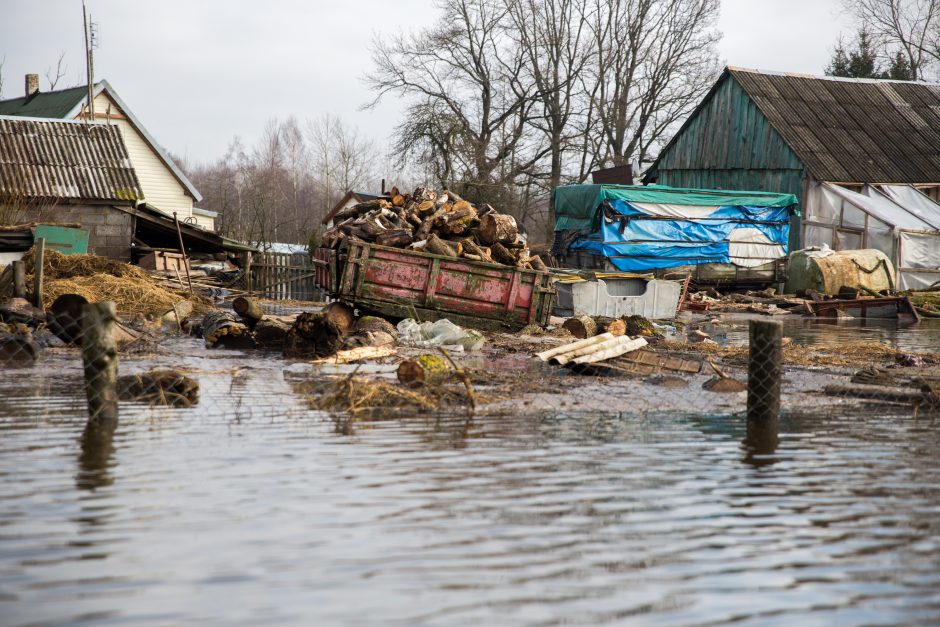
403, 283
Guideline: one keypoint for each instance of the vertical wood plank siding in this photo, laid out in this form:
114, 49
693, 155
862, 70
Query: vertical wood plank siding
729, 144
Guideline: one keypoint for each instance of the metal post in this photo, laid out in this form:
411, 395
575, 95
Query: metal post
179, 234
765, 367
39, 252
19, 279
99, 354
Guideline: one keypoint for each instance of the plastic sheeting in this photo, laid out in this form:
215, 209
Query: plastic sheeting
900, 223
638, 237
576, 206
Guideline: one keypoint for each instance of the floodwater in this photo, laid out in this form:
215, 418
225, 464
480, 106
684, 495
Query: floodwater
251, 509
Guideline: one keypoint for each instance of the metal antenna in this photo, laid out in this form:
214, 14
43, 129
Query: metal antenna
91, 42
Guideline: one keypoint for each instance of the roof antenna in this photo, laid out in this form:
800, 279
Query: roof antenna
91, 42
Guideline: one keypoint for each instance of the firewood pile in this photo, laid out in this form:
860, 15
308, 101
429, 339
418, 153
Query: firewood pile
437, 223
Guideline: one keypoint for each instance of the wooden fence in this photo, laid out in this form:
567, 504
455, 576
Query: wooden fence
284, 276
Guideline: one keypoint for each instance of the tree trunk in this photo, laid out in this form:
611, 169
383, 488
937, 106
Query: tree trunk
614, 326
65, 317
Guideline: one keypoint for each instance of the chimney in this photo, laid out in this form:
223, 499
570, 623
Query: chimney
32, 85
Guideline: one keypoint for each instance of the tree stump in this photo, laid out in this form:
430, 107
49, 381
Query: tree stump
341, 314
271, 333
65, 317
614, 326
581, 327
313, 335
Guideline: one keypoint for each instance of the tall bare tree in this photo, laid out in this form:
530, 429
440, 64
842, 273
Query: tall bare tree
655, 59
471, 100
909, 27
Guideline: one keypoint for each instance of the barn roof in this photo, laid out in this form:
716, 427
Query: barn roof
852, 130
68, 160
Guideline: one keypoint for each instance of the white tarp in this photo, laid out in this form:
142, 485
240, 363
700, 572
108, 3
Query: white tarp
749, 247
676, 211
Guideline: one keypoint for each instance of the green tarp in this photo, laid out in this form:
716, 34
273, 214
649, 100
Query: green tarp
576, 205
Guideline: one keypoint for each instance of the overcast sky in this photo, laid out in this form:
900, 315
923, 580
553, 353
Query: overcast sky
197, 73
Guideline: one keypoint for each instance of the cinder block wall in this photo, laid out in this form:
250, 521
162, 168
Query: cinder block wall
110, 230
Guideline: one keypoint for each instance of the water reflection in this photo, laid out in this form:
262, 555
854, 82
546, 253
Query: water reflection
94, 461
761, 441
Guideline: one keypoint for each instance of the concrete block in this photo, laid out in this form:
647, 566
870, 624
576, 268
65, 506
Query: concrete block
104, 231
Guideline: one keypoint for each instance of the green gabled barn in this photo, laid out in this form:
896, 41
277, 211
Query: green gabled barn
791, 133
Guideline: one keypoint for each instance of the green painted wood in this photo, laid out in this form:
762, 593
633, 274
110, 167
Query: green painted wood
729, 144
63, 239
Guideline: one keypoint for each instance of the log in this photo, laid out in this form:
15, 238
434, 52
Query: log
498, 228
358, 354
313, 335
437, 246
582, 327
6, 282
342, 316
20, 310
177, 317
368, 338
220, 329
614, 326
471, 247
248, 309
622, 346
271, 333
65, 317
423, 370
398, 200
159, 387
374, 323
397, 238
537, 264
18, 350
502, 255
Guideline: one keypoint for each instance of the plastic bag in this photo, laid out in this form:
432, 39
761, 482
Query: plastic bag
438, 333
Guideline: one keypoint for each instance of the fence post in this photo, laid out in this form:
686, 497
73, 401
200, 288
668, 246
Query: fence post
764, 369
99, 354
19, 279
39, 254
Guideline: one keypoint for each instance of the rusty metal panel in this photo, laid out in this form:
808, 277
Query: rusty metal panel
406, 283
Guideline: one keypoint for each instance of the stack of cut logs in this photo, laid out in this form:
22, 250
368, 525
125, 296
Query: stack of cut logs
441, 224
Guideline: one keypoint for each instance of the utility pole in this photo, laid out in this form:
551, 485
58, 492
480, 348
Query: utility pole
90, 43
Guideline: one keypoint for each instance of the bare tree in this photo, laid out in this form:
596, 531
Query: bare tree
60, 71
471, 100
2, 63
655, 59
911, 27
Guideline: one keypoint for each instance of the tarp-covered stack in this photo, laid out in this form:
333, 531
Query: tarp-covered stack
438, 223
644, 228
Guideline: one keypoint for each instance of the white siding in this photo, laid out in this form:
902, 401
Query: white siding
161, 188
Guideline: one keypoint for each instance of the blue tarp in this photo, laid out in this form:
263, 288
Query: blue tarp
638, 239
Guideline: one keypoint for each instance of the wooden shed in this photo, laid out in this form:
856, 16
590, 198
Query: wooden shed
790, 133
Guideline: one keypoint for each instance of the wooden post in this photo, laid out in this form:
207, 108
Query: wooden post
179, 234
99, 354
39, 253
19, 279
765, 367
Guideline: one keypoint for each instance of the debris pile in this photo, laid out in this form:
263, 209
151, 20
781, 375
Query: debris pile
438, 223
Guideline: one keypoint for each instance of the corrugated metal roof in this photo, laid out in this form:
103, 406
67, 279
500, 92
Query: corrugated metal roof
64, 160
861, 131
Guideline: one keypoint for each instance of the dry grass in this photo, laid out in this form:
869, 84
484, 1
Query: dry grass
132, 295
854, 354
55, 265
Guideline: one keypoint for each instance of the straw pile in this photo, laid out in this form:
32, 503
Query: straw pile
99, 279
